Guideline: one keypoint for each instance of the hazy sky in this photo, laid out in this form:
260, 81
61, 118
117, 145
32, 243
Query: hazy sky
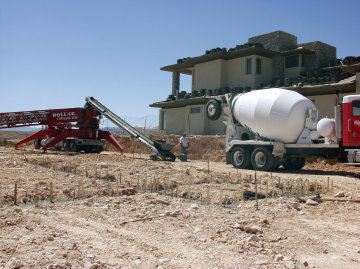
54, 53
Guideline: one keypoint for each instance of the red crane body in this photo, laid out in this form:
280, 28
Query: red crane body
62, 124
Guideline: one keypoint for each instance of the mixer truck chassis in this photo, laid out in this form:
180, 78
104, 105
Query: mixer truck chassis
268, 156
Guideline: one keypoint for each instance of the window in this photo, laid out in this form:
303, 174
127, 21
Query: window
163, 120
248, 66
292, 61
195, 110
356, 108
258, 66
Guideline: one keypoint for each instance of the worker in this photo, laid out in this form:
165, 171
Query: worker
185, 146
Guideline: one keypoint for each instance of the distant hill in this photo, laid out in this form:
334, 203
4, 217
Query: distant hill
151, 121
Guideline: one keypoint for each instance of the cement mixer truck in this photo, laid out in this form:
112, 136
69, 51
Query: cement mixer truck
269, 128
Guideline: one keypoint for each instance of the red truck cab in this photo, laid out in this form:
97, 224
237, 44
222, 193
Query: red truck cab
351, 121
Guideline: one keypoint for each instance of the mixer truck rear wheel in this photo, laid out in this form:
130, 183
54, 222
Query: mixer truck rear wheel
73, 147
294, 163
66, 145
213, 109
262, 159
240, 157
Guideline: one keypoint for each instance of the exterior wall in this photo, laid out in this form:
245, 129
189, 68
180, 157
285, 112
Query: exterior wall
231, 73
266, 72
208, 75
325, 55
236, 73
175, 123
195, 122
277, 41
325, 104
181, 120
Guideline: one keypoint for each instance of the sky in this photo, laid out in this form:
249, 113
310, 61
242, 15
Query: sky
54, 53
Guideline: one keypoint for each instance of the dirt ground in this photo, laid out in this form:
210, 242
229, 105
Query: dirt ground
125, 211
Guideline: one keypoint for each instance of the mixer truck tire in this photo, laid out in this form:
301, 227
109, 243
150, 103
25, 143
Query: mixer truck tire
73, 147
294, 163
240, 157
213, 109
262, 159
66, 145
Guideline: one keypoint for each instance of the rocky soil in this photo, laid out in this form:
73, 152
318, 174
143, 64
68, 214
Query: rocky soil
124, 211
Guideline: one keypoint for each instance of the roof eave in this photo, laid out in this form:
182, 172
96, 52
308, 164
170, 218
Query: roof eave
181, 67
181, 102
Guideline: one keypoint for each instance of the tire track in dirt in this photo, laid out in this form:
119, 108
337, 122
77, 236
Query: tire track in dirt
148, 243
331, 243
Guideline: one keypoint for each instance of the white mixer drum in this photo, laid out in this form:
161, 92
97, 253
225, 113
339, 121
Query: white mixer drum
275, 113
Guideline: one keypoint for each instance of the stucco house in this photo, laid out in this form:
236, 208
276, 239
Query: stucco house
270, 60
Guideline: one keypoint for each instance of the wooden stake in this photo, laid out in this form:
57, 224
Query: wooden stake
189, 189
221, 195
36, 198
15, 193
241, 192
51, 193
146, 185
153, 185
288, 188
165, 185
208, 166
117, 187
172, 188
208, 194
82, 189
79, 189
267, 189
256, 193
328, 185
